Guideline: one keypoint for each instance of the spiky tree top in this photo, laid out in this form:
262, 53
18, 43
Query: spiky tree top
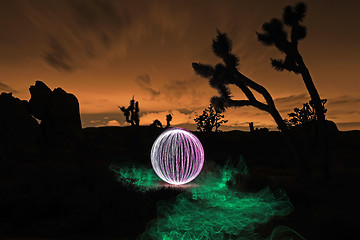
227, 73
274, 34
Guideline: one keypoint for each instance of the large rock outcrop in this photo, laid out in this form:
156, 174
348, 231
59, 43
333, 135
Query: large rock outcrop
19, 131
57, 110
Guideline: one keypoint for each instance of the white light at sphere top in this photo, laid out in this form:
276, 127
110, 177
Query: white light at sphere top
177, 156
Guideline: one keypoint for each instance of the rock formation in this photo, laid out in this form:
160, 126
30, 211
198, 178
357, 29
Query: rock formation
19, 130
57, 110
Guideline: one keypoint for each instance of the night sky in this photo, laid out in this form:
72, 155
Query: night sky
104, 52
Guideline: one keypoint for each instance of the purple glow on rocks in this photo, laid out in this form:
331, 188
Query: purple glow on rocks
177, 156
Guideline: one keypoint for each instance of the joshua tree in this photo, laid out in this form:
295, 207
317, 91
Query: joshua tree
210, 119
227, 73
274, 34
222, 75
168, 120
131, 113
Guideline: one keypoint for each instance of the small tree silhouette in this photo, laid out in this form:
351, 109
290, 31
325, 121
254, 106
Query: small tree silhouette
225, 74
210, 119
131, 113
274, 34
156, 123
305, 114
168, 120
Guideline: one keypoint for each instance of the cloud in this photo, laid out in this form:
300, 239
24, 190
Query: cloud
79, 33
58, 57
144, 82
6, 88
95, 33
189, 94
341, 100
288, 103
113, 123
177, 117
292, 98
347, 126
102, 119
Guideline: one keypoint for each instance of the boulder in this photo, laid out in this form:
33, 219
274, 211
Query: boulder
19, 130
58, 112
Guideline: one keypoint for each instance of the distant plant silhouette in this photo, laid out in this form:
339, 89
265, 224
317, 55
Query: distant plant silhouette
257, 130
226, 73
210, 119
274, 34
156, 123
251, 126
131, 113
168, 120
305, 114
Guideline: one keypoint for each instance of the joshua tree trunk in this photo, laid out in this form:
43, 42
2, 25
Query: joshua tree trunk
310, 86
299, 161
271, 109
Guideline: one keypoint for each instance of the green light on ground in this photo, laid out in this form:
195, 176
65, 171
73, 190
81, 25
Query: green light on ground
214, 211
211, 209
143, 179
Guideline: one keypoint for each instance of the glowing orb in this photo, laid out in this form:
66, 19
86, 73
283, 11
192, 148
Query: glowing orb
177, 156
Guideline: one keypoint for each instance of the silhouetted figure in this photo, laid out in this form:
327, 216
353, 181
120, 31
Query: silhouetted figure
168, 120
156, 123
131, 113
274, 34
210, 119
222, 75
57, 110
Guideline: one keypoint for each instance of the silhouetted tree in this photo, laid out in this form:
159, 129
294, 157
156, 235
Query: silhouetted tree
210, 119
226, 73
305, 114
131, 113
168, 120
274, 34
156, 123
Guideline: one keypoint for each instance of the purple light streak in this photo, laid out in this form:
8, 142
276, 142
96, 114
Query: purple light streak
177, 156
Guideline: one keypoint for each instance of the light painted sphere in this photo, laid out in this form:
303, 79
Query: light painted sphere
177, 156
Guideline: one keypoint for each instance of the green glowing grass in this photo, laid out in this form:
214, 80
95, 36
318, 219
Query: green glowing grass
212, 210
141, 178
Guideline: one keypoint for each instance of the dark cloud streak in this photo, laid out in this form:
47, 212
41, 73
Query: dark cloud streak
58, 57
90, 30
144, 82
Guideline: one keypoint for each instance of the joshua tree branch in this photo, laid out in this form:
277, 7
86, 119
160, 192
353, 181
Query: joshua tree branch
241, 103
